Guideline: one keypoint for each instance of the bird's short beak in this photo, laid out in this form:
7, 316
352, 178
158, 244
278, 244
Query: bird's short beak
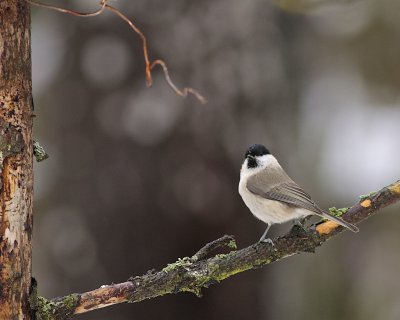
250, 157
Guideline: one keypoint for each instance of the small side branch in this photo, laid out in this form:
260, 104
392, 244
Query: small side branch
193, 274
225, 241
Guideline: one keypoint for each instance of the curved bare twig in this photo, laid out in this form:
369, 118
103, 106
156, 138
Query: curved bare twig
69, 11
148, 64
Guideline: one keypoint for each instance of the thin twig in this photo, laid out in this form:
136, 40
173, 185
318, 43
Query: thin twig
68, 11
148, 64
184, 92
149, 80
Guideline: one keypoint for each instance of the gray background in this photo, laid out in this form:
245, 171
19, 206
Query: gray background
138, 177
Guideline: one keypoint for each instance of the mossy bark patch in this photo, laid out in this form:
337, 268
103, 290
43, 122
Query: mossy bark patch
11, 143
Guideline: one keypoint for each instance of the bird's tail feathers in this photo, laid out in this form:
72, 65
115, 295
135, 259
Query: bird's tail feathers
343, 223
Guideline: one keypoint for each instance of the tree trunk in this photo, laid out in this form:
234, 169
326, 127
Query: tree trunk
16, 178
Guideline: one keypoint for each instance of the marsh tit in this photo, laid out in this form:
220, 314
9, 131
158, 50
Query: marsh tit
272, 196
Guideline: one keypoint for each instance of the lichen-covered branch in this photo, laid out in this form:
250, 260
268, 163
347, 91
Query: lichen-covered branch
191, 274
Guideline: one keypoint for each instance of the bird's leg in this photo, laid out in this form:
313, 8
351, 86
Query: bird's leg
265, 233
298, 222
299, 225
263, 237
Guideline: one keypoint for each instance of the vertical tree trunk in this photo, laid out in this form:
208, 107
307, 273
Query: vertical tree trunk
16, 178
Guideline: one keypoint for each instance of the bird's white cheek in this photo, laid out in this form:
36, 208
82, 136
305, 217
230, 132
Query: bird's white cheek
246, 172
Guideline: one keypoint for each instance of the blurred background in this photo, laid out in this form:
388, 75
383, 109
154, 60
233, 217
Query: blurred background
138, 177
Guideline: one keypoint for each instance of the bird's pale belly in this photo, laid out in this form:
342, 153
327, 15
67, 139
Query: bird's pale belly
271, 211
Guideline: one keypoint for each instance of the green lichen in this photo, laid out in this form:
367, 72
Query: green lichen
261, 262
39, 152
45, 309
203, 278
56, 309
366, 196
70, 301
226, 274
232, 244
338, 212
181, 263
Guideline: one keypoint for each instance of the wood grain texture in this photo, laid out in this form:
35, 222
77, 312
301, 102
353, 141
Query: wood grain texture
16, 181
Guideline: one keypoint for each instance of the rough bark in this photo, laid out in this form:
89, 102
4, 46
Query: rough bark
15, 160
191, 274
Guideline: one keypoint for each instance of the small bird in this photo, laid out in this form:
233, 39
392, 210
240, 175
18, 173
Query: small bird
272, 196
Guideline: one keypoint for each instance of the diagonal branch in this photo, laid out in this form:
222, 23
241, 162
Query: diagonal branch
193, 274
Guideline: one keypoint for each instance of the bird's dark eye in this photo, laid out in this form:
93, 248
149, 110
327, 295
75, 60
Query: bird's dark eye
251, 163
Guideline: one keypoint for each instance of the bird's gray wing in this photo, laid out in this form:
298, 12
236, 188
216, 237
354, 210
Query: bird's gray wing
279, 187
293, 195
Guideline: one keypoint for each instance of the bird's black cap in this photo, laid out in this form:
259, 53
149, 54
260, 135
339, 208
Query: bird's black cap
256, 150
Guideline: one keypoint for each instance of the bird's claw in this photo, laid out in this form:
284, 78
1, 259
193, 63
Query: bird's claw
268, 240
